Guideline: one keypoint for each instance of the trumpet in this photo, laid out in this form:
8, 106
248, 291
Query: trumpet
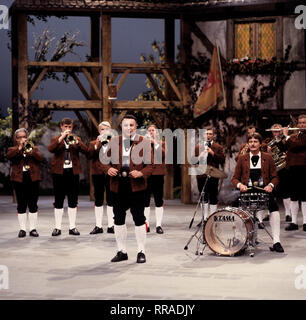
71, 139
105, 137
28, 146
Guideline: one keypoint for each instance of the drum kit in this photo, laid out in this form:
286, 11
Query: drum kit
230, 231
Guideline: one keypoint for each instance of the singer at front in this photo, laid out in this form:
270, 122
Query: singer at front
65, 169
257, 168
212, 154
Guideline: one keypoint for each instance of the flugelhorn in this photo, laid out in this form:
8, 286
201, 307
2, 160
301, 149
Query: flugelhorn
28, 146
71, 138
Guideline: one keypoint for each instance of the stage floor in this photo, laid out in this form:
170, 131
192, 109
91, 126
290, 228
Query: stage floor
70, 267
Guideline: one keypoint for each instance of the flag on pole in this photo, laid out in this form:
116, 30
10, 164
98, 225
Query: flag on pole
212, 94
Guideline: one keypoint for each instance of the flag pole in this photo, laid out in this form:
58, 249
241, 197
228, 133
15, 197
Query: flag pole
221, 75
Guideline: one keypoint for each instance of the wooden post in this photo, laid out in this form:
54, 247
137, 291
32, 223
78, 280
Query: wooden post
184, 47
107, 65
230, 53
22, 84
169, 59
279, 54
95, 56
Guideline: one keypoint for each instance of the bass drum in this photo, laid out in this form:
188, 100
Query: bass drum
228, 231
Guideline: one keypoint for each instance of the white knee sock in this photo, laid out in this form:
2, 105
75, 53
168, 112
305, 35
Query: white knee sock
33, 220
22, 218
72, 217
58, 214
159, 212
287, 206
294, 209
212, 209
110, 216
121, 235
204, 207
275, 225
147, 215
304, 211
141, 235
99, 216
259, 215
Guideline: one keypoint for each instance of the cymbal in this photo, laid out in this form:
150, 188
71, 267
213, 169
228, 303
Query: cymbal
214, 172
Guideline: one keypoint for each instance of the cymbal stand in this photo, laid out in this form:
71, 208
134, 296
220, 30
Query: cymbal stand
200, 226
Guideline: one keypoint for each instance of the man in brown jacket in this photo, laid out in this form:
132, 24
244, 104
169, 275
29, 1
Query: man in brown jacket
296, 163
101, 180
156, 180
212, 152
25, 177
258, 168
65, 169
129, 164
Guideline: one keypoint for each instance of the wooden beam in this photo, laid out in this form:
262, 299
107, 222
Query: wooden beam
83, 121
92, 82
123, 78
92, 118
155, 86
114, 77
43, 64
202, 37
145, 105
106, 58
37, 81
69, 104
119, 119
173, 86
80, 85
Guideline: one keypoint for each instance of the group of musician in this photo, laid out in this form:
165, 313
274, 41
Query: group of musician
277, 166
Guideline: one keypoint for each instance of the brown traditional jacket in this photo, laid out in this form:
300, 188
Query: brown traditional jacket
268, 170
145, 166
296, 154
57, 163
17, 158
216, 160
160, 169
93, 154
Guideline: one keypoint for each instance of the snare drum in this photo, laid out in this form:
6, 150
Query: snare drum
229, 230
254, 201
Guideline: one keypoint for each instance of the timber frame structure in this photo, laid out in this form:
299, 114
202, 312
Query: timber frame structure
101, 71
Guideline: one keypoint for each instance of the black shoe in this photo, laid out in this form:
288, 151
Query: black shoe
277, 247
261, 225
96, 230
22, 234
267, 218
111, 230
304, 227
288, 219
34, 233
74, 232
292, 226
159, 230
148, 230
141, 258
120, 256
56, 232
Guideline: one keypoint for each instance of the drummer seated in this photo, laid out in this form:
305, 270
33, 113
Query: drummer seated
259, 166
